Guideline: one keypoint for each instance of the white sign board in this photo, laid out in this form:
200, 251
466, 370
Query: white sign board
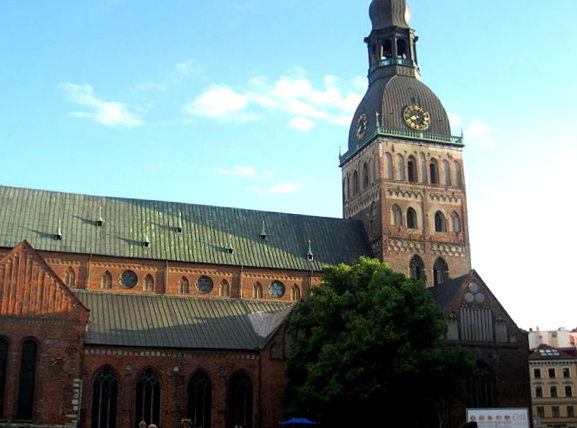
499, 418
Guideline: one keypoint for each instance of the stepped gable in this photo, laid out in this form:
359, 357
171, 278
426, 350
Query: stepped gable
29, 287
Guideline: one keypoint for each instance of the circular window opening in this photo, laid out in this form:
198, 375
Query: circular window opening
128, 279
276, 289
204, 284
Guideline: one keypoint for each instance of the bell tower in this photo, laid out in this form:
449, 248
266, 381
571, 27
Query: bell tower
403, 173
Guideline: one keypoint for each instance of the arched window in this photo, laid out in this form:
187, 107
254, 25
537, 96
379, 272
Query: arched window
447, 173
423, 159
481, 387
199, 409
387, 49
104, 399
257, 290
412, 219
417, 268
106, 280
390, 169
184, 285
349, 191
224, 290
456, 220
440, 271
70, 277
402, 51
365, 176
148, 283
412, 169
3, 373
27, 380
400, 167
355, 182
240, 401
376, 169
147, 398
440, 223
344, 189
458, 174
295, 293
434, 171
396, 216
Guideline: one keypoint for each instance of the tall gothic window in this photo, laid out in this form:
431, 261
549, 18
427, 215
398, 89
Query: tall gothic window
481, 387
240, 401
447, 172
397, 216
365, 176
417, 268
295, 293
400, 167
148, 399
456, 220
104, 399
412, 169
440, 271
440, 222
3, 371
423, 159
355, 182
224, 288
257, 290
184, 285
390, 169
27, 382
199, 409
458, 174
412, 219
434, 171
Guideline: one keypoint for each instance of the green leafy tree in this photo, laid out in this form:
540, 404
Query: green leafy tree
369, 349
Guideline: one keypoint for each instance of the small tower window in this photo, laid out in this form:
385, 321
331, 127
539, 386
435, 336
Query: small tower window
387, 49
257, 291
456, 220
440, 223
355, 182
434, 171
412, 219
402, 51
458, 174
423, 167
400, 167
412, 169
447, 171
440, 271
396, 216
148, 283
106, 280
390, 171
417, 268
224, 290
365, 176
184, 285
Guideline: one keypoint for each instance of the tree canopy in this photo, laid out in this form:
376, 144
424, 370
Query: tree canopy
369, 348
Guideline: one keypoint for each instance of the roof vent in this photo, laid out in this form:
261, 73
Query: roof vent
263, 232
229, 247
310, 255
58, 235
178, 228
146, 242
100, 221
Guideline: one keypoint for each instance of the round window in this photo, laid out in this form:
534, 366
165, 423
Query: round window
276, 289
128, 279
204, 284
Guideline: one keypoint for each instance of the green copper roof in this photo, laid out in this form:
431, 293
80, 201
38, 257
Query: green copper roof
155, 321
213, 235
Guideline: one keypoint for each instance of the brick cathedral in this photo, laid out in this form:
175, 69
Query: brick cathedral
114, 311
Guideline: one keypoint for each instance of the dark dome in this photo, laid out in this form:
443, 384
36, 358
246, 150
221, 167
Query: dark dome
387, 13
389, 97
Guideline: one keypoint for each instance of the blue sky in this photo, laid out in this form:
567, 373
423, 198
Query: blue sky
246, 104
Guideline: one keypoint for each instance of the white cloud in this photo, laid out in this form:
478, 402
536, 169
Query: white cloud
476, 132
221, 102
238, 170
301, 123
293, 94
105, 112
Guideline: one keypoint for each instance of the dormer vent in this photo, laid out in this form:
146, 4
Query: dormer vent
229, 247
100, 221
310, 255
58, 235
178, 228
146, 242
263, 231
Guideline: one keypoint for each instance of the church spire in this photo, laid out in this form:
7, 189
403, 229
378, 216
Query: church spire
392, 43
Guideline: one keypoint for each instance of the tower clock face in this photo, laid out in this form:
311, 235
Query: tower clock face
417, 117
362, 126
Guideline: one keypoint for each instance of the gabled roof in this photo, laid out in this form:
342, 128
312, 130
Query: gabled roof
29, 287
158, 321
546, 352
445, 293
207, 231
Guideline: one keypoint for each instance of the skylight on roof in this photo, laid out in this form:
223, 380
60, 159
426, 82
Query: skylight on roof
549, 352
